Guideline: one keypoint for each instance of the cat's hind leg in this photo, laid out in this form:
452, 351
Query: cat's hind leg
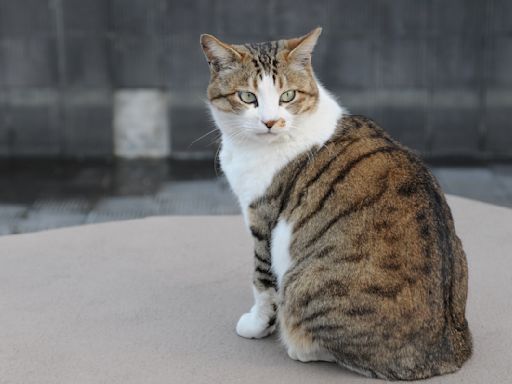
300, 346
304, 350
306, 356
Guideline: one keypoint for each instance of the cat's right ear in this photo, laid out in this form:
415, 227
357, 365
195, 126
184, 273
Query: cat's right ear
220, 55
301, 48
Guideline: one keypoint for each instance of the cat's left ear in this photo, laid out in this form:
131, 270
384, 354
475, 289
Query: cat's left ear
219, 55
301, 48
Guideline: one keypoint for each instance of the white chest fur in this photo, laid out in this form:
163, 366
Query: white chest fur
251, 166
280, 250
250, 173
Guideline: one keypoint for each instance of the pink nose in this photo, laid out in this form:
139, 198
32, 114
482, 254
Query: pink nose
270, 123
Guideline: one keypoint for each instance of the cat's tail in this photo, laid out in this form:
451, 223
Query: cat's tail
462, 343
455, 272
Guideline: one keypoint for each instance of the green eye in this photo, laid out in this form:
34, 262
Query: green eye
247, 97
287, 96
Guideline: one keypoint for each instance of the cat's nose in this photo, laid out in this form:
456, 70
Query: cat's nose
279, 123
270, 123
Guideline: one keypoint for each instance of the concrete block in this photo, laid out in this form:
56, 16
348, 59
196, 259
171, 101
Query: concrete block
498, 121
295, 18
402, 18
137, 62
189, 123
499, 73
90, 17
348, 18
406, 124
141, 126
455, 62
34, 130
133, 17
251, 23
87, 62
139, 177
190, 18
26, 18
30, 62
351, 64
458, 17
192, 169
455, 131
88, 130
4, 131
500, 20
184, 65
455, 98
402, 63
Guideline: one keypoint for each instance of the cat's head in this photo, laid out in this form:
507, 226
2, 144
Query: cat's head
260, 91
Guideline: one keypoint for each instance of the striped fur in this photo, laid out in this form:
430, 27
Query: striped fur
378, 275
374, 276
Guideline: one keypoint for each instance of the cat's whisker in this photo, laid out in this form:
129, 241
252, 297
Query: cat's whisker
203, 136
237, 134
217, 140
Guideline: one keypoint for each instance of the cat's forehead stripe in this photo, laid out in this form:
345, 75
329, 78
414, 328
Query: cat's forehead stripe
264, 57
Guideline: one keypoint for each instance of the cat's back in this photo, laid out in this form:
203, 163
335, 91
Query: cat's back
361, 166
378, 270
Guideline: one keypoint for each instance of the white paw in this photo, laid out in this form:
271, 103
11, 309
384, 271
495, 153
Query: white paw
252, 326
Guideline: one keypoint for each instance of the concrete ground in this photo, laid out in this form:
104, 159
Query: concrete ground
149, 301
38, 195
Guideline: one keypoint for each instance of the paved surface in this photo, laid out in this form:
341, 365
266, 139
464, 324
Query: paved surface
38, 196
151, 301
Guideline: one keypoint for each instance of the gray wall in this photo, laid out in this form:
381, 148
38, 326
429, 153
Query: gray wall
436, 73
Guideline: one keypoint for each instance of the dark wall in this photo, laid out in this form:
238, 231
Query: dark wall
436, 73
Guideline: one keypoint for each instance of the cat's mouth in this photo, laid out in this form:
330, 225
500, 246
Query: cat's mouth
266, 133
270, 137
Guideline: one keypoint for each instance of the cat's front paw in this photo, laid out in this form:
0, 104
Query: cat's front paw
251, 326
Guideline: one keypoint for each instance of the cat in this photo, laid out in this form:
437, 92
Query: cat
356, 260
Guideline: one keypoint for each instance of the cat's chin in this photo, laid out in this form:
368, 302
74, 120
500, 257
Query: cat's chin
269, 137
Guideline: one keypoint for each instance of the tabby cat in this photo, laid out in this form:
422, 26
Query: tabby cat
356, 259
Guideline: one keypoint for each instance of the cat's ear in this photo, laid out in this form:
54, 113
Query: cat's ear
301, 48
219, 55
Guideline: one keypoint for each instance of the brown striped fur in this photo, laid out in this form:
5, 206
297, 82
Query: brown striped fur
378, 275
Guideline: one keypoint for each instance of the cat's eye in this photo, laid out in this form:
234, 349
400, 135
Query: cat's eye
247, 97
287, 96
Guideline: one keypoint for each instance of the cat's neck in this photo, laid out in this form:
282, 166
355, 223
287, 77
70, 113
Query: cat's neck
250, 166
